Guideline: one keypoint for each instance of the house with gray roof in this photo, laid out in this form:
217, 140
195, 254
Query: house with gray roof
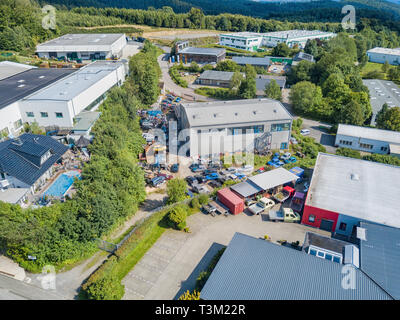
215, 78
27, 161
255, 269
201, 55
230, 126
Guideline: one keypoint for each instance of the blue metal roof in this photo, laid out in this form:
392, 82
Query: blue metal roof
20, 158
380, 256
255, 269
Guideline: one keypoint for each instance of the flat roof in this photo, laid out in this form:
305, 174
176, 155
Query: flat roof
244, 34
318, 240
13, 195
203, 51
9, 68
261, 83
72, 42
217, 75
70, 87
381, 92
380, 256
296, 34
255, 269
357, 188
252, 60
23, 84
273, 178
389, 51
369, 133
246, 188
234, 112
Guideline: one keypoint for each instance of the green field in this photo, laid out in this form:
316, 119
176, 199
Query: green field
371, 67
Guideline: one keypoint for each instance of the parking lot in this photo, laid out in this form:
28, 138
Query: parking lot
172, 265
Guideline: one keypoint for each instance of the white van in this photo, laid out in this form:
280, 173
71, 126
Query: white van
305, 132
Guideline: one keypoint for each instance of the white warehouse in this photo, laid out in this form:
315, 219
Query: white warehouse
85, 46
222, 127
368, 139
381, 55
59, 103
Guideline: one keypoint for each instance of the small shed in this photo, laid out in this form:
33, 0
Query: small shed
82, 142
234, 203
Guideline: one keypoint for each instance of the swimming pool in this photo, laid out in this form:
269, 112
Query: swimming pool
61, 185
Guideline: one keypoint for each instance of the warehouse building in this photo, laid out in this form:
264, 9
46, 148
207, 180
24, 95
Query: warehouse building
382, 55
221, 127
381, 92
255, 269
215, 78
251, 41
9, 68
14, 88
346, 191
201, 55
84, 46
59, 103
263, 80
367, 139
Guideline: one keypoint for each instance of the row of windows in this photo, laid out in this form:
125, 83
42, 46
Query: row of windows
345, 142
280, 127
44, 114
244, 130
366, 146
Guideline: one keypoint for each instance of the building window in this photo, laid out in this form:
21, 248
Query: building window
17, 124
366, 146
345, 142
342, 226
280, 127
384, 149
44, 114
30, 114
59, 115
311, 218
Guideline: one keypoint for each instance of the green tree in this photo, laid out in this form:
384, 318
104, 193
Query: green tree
107, 288
273, 91
281, 50
176, 190
236, 80
385, 67
177, 217
389, 119
306, 97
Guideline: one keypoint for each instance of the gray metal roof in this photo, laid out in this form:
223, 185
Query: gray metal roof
297, 34
256, 61
216, 75
70, 87
304, 56
273, 178
23, 84
234, 112
380, 256
255, 269
358, 188
369, 133
246, 189
71, 42
261, 83
381, 92
203, 51
9, 68
324, 242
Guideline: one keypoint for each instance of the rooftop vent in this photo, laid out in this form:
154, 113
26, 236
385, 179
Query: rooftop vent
41, 77
355, 177
361, 233
17, 142
20, 81
21, 86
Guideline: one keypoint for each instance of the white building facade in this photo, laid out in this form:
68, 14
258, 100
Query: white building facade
366, 139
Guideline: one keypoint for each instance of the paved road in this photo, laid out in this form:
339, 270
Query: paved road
170, 85
320, 132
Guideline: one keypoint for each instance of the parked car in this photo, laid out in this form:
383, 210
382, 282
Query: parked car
261, 170
201, 179
209, 171
175, 168
212, 176
215, 184
190, 180
178, 99
148, 137
306, 186
209, 209
284, 215
285, 156
293, 140
291, 160
261, 206
247, 169
198, 168
304, 132
166, 176
157, 181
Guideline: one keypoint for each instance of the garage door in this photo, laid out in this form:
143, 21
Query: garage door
326, 225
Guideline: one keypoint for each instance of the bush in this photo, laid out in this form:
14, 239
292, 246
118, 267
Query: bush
176, 190
346, 152
177, 217
194, 203
203, 199
174, 73
204, 275
107, 288
190, 296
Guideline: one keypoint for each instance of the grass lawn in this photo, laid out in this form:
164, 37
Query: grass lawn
370, 67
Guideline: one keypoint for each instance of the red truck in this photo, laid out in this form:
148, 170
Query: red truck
234, 203
285, 194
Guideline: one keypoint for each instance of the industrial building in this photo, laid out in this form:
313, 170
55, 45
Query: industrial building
221, 127
302, 56
367, 139
26, 162
255, 269
381, 92
84, 46
263, 80
201, 55
9, 68
251, 41
215, 78
59, 103
18, 86
382, 55
345, 191
264, 62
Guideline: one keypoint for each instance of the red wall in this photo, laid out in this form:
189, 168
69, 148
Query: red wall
319, 214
